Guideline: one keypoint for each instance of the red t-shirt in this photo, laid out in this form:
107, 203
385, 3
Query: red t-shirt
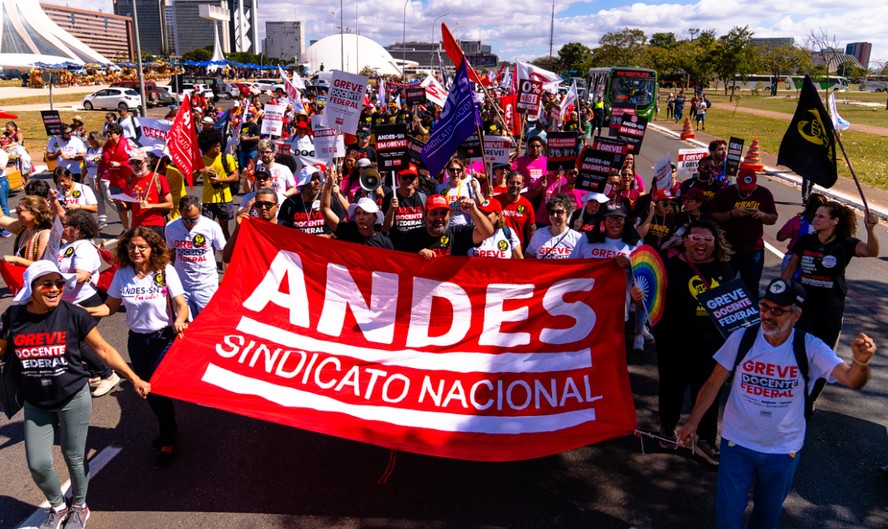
146, 188
744, 233
517, 214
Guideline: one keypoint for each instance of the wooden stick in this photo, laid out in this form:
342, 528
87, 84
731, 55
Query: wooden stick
853, 174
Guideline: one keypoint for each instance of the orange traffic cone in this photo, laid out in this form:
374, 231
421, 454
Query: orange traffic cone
753, 158
687, 132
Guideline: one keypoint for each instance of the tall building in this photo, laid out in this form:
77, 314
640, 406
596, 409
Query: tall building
192, 31
285, 40
110, 35
427, 53
169, 23
244, 26
861, 51
773, 42
152, 28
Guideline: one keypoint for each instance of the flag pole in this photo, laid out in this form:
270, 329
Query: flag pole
853, 174
483, 161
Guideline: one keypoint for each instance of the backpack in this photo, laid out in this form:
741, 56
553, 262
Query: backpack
801, 358
233, 186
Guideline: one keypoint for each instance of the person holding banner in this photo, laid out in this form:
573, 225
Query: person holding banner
684, 363
404, 207
503, 244
517, 209
363, 226
151, 192
148, 286
438, 238
459, 185
302, 211
590, 216
557, 240
533, 167
32, 229
114, 169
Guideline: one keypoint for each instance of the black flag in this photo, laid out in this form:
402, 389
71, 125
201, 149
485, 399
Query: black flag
809, 145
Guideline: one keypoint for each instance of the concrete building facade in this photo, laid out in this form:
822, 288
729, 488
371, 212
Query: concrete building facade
192, 31
861, 51
244, 25
110, 35
285, 39
152, 25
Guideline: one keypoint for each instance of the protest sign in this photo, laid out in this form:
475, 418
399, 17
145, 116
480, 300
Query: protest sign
435, 93
530, 93
327, 141
497, 149
344, 101
618, 147
730, 306
154, 131
617, 113
470, 148
391, 146
593, 169
414, 149
52, 123
631, 130
416, 95
513, 118
735, 156
273, 120
688, 159
334, 337
663, 172
561, 150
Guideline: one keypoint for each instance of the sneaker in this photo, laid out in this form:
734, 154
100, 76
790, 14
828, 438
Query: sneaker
707, 452
54, 518
94, 381
648, 337
165, 457
5, 234
638, 343
105, 385
77, 517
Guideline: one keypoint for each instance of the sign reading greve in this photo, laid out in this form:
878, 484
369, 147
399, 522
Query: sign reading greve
414, 149
730, 306
52, 123
497, 149
561, 150
530, 92
416, 95
453, 357
391, 146
689, 159
632, 130
344, 101
618, 147
735, 155
593, 168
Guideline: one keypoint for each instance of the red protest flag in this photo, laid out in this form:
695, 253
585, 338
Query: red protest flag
182, 142
456, 54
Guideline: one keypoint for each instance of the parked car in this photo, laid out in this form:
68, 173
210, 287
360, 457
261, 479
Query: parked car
112, 98
232, 91
10, 74
77, 70
164, 97
269, 85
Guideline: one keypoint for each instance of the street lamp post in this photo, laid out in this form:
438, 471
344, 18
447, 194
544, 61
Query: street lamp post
434, 23
404, 43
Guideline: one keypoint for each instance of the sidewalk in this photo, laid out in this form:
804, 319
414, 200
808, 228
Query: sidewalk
868, 129
844, 190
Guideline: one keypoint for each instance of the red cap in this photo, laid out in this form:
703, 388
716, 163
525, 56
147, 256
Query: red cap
491, 206
436, 202
410, 169
662, 194
746, 180
301, 125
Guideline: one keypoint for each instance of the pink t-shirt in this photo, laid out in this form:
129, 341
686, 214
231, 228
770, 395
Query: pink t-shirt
534, 171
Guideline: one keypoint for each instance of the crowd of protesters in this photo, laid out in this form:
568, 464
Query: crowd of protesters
708, 229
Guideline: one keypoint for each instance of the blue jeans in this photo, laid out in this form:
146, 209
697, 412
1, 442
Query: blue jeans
4, 195
739, 468
749, 266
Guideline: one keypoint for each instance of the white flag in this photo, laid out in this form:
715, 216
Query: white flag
297, 81
838, 122
380, 92
434, 91
550, 80
570, 98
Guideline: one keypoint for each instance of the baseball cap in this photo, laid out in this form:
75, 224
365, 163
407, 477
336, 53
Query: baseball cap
694, 194
410, 169
615, 208
138, 154
491, 206
368, 205
746, 180
785, 292
662, 194
34, 272
363, 162
436, 202
261, 172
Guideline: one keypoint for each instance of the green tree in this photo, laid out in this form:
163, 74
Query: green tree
696, 57
663, 40
621, 48
735, 55
783, 60
200, 54
575, 57
548, 63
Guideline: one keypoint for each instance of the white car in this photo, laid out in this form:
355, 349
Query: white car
115, 98
269, 85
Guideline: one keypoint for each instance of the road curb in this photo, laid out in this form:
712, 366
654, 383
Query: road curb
791, 179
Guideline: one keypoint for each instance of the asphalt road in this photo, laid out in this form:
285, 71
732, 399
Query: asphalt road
242, 473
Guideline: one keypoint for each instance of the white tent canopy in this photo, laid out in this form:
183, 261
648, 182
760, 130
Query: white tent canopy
28, 35
359, 52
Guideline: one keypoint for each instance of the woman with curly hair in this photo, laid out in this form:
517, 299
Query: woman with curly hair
156, 312
31, 228
822, 258
686, 336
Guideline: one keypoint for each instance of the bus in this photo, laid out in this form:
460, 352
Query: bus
768, 82
874, 83
619, 85
823, 82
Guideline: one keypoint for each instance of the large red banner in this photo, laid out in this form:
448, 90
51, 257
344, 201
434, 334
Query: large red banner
475, 359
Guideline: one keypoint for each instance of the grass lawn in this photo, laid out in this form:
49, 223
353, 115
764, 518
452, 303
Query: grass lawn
786, 102
31, 124
42, 98
866, 151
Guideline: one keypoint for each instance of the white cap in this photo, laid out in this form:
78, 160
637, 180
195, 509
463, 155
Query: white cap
34, 272
305, 174
363, 162
368, 205
601, 198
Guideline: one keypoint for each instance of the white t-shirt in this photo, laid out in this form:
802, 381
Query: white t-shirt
281, 177
80, 255
544, 245
80, 194
195, 260
72, 147
766, 407
497, 245
146, 299
454, 195
129, 126
608, 249
92, 159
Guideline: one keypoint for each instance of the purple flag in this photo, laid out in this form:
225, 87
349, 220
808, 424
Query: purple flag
459, 120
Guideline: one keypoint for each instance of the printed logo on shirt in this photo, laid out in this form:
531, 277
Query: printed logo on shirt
76, 194
502, 245
43, 352
829, 261
69, 252
696, 287
158, 280
769, 381
199, 241
445, 240
520, 209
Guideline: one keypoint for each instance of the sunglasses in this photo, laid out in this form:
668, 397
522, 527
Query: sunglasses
776, 311
557, 212
48, 284
137, 163
264, 205
186, 220
696, 237
454, 169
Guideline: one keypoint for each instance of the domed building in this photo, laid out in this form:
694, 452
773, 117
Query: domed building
358, 53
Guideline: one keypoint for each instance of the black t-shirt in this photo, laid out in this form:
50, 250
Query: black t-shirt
660, 230
366, 152
822, 270
685, 326
348, 232
249, 129
48, 348
306, 215
456, 240
590, 221
410, 213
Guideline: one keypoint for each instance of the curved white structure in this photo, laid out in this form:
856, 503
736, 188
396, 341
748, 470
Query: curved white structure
27, 35
360, 52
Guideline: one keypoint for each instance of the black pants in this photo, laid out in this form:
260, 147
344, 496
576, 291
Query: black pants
677, 373
146, 351
96, 366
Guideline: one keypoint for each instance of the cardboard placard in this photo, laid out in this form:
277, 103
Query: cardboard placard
273, 120
663, 172
688, 159
730, 306
735, 155
617, 113
391, 146
593, 169
414, 149
530, 92
497, 149
632, 130
345, 98
52, 122
416, 95
561, 152
328, 143
618, 147
470, 149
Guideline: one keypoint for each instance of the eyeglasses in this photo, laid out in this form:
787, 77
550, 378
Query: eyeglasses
48, 284
557, 212
775, 310
264, 205
266, 152
137, 249
186, 220
137, 163
696, 237
454, 169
